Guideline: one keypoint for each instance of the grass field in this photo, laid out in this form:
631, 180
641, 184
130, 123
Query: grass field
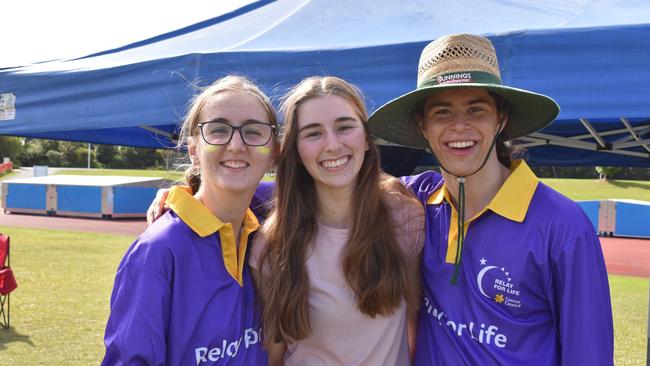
630, 310
8, 175
59, 310
590, 189
166, 174
65, 278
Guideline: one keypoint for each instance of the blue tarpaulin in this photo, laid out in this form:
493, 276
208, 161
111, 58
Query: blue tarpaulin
592, 57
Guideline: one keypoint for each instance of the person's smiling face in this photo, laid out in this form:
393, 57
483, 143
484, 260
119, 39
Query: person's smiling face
331, 141
235, 166
459, 125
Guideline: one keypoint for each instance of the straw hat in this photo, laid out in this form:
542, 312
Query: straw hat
460, 61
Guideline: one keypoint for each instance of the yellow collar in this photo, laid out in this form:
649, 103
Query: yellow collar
512, 199
203, 222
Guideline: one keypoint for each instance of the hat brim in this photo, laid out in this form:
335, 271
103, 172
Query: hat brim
394, 121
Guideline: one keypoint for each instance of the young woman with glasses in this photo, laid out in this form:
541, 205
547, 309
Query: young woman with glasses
183, 293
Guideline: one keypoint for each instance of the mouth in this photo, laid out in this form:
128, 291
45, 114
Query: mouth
234, 164
335, 163
460, 145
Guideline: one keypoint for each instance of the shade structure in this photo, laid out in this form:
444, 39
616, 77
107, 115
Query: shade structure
590, 57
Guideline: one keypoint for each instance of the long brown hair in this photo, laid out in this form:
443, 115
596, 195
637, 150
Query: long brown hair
373, 263
234, 83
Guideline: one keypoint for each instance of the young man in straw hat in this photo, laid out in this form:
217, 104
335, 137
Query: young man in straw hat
513, 271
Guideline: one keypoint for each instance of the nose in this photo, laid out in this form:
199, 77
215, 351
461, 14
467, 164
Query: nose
332, 142
236, 142
460, 122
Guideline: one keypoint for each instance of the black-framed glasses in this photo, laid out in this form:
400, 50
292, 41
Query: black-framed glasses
252, 133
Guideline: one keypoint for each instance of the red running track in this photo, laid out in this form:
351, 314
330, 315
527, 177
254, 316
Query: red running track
623, 256
115, 226
626, 256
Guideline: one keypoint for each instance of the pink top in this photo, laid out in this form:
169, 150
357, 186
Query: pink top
341, 334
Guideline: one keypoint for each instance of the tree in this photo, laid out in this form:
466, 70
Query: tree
55, 158
607, 172
106, 155
10, 147
33, 153
72, 155
139, 158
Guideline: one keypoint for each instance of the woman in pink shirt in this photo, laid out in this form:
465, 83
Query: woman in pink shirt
339, 251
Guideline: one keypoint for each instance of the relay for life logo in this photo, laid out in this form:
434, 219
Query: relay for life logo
495, 283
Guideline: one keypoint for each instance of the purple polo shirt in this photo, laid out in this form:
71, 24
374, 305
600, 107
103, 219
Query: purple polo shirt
183, 294
532, 288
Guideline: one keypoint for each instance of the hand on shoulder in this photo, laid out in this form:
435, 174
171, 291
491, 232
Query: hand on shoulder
158, 206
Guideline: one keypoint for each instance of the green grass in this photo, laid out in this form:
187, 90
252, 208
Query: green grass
630, 309
173, 175
8, 175
592, 189
59, 310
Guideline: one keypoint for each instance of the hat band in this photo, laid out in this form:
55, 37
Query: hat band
463, 77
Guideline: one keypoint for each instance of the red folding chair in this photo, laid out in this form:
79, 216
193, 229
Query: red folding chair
7, 281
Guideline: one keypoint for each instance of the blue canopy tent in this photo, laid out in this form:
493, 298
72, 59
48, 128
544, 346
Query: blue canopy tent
592, 58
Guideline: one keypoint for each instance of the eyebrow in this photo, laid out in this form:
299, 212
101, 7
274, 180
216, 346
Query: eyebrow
338, 120
225, 120
446, 104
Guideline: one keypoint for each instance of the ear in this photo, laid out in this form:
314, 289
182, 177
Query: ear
192, 151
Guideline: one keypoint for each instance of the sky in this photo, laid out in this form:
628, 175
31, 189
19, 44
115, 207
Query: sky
40, 30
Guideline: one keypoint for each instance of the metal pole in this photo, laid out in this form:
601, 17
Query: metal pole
647, 355
89, 155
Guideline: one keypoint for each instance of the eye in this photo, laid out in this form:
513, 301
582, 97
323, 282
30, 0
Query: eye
311, 134
441, 113
252, 131
346, 127
217, 129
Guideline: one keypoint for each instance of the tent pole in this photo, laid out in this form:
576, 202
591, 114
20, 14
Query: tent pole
623, 145
641, 130
542, 139
89, 155
593, 132
565, 141
629, 128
